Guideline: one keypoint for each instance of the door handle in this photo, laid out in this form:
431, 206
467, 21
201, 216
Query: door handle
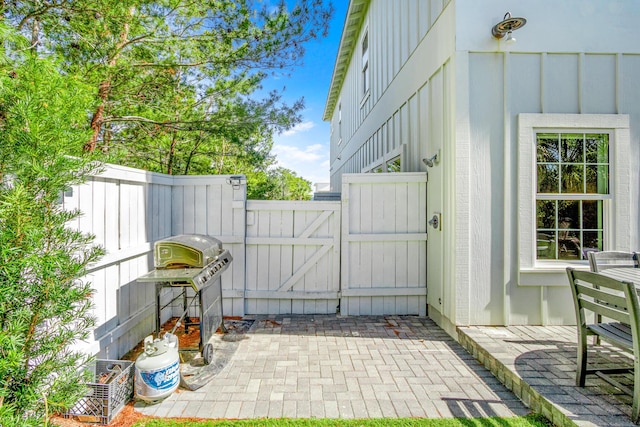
435, 221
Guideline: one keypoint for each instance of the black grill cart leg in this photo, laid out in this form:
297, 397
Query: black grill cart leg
203, 338
185, 307
159, 287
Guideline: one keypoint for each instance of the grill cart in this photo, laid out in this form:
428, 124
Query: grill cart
191, 261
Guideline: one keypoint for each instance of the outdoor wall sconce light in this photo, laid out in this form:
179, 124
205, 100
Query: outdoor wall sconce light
235, 181
433, 160
506, 26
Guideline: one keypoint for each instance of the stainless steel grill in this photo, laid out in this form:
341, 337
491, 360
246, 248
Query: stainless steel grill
186, 250
191, 261
188, 260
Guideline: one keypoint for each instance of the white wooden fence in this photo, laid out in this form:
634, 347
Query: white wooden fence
384, 235
364, 255
126, 210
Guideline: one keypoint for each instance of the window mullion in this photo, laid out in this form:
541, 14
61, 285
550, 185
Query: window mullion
563, 161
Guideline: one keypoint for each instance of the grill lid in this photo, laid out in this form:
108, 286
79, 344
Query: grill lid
186, 250
197, 278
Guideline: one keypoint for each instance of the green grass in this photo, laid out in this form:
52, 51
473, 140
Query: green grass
527, 421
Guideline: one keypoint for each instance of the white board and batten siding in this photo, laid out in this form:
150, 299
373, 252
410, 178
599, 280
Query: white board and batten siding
293, 257
409, 41
574, 82
384, 234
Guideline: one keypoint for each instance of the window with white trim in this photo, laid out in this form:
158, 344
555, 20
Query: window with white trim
572, 189
389, 163
339, 123
394, 165
365, 62
574, 182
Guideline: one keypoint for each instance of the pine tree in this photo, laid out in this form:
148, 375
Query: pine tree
45, 304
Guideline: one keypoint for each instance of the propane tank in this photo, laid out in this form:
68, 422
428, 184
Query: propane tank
158, 368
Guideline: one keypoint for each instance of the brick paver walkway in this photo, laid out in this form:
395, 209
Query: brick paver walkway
345, 367
402, 366
539, 364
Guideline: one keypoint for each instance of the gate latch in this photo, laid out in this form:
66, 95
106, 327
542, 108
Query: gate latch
435, 221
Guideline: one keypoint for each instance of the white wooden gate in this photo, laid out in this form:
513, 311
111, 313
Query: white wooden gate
293, 257
286, 255
384, 234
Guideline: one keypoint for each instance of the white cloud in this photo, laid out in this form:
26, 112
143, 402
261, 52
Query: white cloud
290, 155
300, 127
310, 162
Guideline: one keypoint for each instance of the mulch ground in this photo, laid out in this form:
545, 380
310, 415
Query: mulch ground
125, 418
189, 340
128, 415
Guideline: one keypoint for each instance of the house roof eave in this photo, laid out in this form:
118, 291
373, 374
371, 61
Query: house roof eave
352, 23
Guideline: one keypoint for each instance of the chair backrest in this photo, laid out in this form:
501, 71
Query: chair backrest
613, 299
599, 261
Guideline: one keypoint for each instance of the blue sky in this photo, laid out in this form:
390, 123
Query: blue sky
305, 149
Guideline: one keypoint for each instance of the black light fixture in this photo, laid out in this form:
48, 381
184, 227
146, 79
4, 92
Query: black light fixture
506, 26
236, 181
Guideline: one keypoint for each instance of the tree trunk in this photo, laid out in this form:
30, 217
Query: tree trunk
105, 88
98, 116
171, 153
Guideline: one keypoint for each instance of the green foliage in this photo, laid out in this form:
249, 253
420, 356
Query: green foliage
277, 184
45, 306
295, 188
178, 83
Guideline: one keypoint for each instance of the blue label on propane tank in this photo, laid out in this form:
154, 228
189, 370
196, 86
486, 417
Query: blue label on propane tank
162, 379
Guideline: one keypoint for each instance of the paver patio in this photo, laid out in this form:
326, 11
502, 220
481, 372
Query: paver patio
332, 366
345, 367
539, 364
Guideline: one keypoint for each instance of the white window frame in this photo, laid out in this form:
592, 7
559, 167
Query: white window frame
616, 236
389, 162
365, 67
339, 122
386, 159
375, 168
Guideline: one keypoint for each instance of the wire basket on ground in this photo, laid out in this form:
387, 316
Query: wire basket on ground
106, 396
